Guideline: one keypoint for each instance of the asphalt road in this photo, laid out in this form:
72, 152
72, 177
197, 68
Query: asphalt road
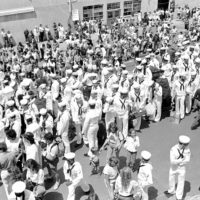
157, 138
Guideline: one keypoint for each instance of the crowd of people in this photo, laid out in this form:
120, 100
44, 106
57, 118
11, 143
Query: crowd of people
64, 83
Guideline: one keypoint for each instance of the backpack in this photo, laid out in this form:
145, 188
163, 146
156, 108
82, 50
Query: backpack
61, 147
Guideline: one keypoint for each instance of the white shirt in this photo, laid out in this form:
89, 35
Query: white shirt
132, 144
73, 173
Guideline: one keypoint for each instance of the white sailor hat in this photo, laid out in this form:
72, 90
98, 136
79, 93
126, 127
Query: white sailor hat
11, 115
92, 102
139, 66
27, 116
123, 66
43, 111
70, 155
115, 86
61, 104
149, 50
42, 86
24, 102
148, 56
104, 62
197, 60
68, 71
177, 53
26, 82
10, 103
138, 59
75, 66
94, 91
18, 187
5, 81
184, 139
110, 69
52, 75
136, 85
124, 72
109, 99
75, 73
145, 155
144, 61
63, 80
95, 81
123, 91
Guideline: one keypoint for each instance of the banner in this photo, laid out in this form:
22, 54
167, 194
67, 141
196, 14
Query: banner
75, 15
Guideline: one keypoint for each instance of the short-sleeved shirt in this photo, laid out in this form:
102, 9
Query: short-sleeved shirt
111, 172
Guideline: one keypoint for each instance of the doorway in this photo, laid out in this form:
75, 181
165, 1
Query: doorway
163, 4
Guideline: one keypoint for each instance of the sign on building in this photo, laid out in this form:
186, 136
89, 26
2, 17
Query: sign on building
75, 15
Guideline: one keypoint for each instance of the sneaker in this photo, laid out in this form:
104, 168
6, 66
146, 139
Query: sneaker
56, 185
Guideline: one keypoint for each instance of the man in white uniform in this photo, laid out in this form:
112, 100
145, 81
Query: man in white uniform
145, 174
73, 174
179, 157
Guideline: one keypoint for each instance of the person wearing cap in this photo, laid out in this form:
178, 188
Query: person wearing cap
109, 111
13, 123
78, 110
122, 106
124, 82
145, 174
155, 96
10, 108
138, 98
19, 191
97, 87
73, 174
107, 82
192, 87
50, 159
32, 148
62, 121
179, 157
179, 94
55, 87
91, 126
46, 121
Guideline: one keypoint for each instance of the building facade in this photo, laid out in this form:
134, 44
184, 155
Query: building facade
106, 10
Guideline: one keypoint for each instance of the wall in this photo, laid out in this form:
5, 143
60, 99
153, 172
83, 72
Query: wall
149, 5
191, 3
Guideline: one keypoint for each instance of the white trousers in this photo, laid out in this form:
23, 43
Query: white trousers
92, 138
65, 140
158, 113
78, 127
180, 106
188, 103
180, 173
122, 125
109, 117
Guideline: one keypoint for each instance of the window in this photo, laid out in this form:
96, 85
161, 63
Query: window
112, 6
136, 6
128, 8
93, 12
110, 15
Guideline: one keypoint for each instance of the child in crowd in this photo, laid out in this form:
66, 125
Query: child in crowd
131, 145
94, 161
